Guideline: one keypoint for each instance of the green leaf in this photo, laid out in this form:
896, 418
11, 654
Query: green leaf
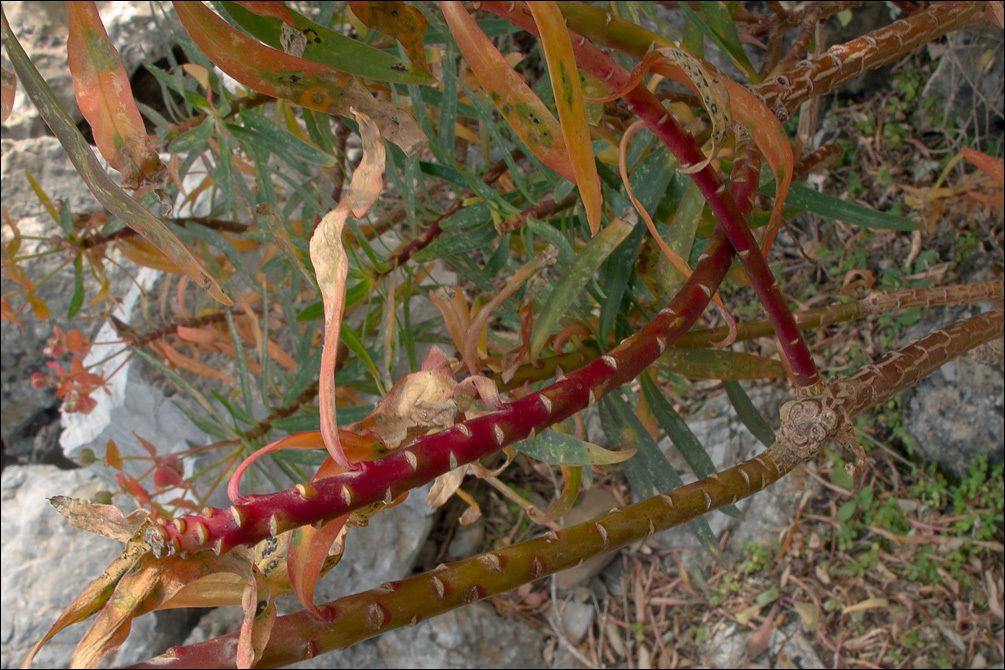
196, 138
207, 425
556, 448
468, 241
302, 456
327, 47
292, 143
748, 414
300, 424
356, 347
680, 434
846, 510
77, 299
649, 472
716, 22
615, 273
66, 219
719, 364
572, 282
811, 200
242, 364
313, 312
448, 106
551, 234
469, 216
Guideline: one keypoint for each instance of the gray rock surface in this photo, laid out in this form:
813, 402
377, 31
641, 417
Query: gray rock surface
959, 410
727, 648
474, 636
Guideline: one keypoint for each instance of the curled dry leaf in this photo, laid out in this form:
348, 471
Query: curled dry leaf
106, 520
420, 400
332, 267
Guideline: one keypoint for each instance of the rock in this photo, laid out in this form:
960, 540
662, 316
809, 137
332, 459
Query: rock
382, 552
28, 409
46, 562
474, 636
956, 412
969, 79
467, 540
574, 615
788, 647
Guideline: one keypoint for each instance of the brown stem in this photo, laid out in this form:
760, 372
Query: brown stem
841, 62
97, 240
434, 230
809, 423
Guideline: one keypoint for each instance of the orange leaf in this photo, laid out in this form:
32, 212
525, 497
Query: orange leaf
274, 9
298, 80
529, 118
106, 100
91, 600
8, 88
38, 306
277, 354
769, 136
143, 253
310, 552
207, 335
992, 167
112, 457
571, 109
402, 22
190, 364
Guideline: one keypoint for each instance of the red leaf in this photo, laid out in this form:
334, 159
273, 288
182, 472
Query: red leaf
106, 99
112, 457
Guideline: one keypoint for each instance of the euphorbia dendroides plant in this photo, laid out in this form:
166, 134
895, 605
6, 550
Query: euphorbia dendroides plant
584, 326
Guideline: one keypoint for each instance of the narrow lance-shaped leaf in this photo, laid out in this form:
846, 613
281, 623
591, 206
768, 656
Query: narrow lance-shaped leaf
402, 22
575, 278
309, 548
719, 364
105, 98
111, 197
550, 446
571, 108
332, 268
300, 81
747, 109
279, 27
529, 118
649, 472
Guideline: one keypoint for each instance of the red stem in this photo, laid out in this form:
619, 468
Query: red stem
648, 108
